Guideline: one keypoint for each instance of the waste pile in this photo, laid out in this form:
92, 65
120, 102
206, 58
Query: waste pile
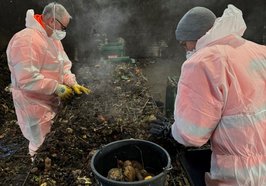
120, 107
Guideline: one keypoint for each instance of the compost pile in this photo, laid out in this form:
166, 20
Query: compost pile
119, 107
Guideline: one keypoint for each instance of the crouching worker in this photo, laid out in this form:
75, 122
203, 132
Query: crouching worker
221, 96
40, 72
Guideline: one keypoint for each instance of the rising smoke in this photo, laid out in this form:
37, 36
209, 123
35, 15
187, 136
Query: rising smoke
142, 23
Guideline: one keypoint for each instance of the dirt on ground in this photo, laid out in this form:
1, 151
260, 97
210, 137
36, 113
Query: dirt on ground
119, 107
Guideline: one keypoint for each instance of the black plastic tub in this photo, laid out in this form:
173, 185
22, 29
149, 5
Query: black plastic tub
154, 158
196, 163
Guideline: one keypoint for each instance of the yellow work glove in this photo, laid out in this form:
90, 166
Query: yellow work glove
78, 89
63, 91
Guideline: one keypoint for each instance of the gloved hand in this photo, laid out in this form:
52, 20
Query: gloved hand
78, 89
161, 127
63, 91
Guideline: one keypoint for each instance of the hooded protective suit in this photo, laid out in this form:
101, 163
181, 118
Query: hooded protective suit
37, 64
222, 97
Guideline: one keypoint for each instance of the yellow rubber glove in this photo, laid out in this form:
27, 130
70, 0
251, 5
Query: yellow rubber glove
78, 89
63, 91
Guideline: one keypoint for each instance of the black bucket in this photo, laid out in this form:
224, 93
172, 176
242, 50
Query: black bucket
154, 158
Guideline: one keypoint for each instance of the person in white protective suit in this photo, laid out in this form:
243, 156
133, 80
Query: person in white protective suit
40, 72
221, 97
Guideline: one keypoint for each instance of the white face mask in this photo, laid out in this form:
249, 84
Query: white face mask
190, 53
57, 34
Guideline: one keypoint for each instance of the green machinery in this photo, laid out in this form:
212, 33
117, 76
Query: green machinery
114, 51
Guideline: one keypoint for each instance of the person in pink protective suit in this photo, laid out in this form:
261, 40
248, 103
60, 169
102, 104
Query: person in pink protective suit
40, 72
221, 96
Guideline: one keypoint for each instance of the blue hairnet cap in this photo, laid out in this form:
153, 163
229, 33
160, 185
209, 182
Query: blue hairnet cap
194, 24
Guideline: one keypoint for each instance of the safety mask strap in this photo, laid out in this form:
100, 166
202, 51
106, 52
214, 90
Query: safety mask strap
54, 15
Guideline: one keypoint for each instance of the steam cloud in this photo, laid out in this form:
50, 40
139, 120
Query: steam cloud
143, 22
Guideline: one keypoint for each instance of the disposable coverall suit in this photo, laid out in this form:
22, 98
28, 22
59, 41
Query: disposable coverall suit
222, 97
37, 64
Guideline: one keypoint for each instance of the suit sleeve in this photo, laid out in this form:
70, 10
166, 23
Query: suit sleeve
199, 100
68, 78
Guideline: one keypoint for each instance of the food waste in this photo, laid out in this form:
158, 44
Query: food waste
129, 171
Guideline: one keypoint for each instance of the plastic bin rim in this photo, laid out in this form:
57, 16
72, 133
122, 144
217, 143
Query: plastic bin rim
165, 169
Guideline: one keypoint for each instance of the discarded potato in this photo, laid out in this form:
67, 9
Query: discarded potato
144, 173
129, 173
127, 163
115, 174
120, 164
138, 175
136, 165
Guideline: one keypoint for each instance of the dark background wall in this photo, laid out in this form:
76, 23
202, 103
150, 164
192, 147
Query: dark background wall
140, 22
